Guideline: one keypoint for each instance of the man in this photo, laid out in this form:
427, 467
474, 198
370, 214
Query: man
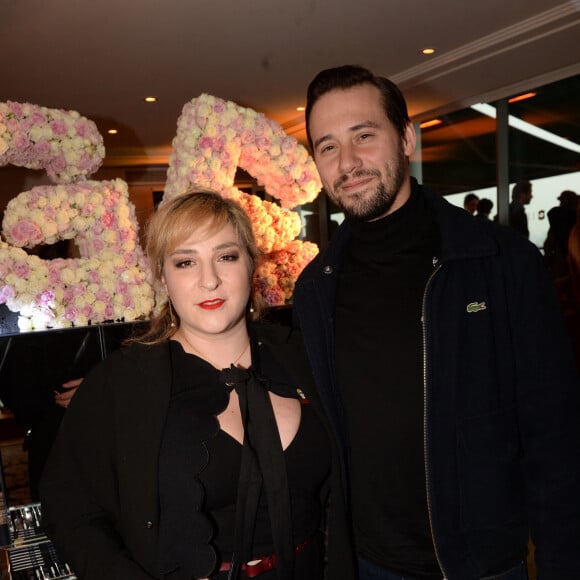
470, 202
484, 207
561, 219
521, 195
441, 360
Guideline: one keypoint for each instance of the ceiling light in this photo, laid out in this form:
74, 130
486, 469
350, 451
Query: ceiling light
300, 108
431, 123
428, 51
150, 99
528, 128
112, 131
522, 97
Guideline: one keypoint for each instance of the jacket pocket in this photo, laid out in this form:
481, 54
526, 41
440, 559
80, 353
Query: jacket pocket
490, 479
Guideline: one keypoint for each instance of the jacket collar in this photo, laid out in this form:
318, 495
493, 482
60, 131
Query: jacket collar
462, 236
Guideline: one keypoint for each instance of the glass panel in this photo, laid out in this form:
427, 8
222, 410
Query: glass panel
544, 148
459, 157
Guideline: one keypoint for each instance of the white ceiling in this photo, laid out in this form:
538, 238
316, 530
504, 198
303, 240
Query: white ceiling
101, 57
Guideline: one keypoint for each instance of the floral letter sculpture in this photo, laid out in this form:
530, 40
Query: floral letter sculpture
215, 137
110, 279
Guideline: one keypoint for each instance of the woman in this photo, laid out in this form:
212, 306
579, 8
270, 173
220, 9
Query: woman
198, 451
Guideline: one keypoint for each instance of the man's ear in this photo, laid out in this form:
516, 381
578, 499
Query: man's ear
409, 139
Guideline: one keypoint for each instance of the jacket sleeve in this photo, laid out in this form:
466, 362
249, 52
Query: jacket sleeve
79, 491
549, 402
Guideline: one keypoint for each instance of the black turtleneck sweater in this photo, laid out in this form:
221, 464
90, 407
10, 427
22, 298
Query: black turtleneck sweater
379, 353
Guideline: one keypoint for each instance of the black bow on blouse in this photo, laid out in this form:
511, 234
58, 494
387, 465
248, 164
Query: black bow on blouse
263, 463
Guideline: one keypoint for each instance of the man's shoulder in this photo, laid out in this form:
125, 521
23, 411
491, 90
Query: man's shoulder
327, 259
465, 236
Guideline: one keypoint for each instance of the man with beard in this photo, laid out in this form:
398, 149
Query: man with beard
441, 360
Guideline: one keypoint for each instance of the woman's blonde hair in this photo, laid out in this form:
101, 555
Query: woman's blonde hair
198, 210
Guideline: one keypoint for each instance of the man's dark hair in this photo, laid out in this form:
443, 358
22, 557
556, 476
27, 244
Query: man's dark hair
469, 197
347, 76
520, 187
484, 206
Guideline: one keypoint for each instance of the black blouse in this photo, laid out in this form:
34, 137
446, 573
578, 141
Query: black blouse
196, 455
308, 466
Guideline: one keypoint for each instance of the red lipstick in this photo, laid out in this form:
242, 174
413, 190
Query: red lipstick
211, 304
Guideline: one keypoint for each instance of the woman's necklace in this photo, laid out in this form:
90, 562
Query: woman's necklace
207, 359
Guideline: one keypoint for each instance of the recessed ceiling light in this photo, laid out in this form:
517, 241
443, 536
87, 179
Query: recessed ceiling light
112, 131
428, 51
150, 99
431, 123
522, 97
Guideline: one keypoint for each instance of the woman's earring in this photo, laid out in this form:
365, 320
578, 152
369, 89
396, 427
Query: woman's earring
171, 315
251, 308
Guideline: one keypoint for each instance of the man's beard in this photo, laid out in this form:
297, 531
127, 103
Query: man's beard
369, 208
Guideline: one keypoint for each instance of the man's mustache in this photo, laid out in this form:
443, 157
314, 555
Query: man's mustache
355, 175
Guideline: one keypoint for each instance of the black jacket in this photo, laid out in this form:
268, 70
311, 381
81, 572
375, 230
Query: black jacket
99, 490
501, 403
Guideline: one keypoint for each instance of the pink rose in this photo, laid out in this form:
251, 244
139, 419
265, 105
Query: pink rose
15, 108
82, 128
53, 276
102, 295
58, 127
71, 313
109, 220
38, 117
12, 125
20, 142
41, 149
25, 232
21, 269
46, 297
6, 293
98, 244
206, 142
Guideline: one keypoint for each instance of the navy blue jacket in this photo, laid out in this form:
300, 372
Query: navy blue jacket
502, 397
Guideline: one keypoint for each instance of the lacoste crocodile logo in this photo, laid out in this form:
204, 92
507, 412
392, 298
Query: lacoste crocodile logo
476, 306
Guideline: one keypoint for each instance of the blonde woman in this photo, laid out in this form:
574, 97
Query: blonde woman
198, 451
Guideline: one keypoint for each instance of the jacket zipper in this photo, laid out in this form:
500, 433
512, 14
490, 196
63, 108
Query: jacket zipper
437, 266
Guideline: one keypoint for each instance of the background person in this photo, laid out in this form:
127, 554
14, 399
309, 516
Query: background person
470, 202
562, 219
521, 196
441, 359
484, 207
198, 450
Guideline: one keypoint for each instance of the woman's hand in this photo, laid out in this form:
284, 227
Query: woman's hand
63, 398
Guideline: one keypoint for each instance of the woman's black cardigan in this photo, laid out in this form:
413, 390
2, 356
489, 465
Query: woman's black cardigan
99, 490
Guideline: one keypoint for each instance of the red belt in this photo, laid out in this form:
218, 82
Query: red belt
264, 563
